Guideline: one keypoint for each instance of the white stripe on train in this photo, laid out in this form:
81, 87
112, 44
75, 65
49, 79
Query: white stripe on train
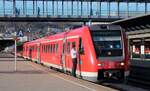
88, 74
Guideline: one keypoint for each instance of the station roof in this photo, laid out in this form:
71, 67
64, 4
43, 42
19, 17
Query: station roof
134, 23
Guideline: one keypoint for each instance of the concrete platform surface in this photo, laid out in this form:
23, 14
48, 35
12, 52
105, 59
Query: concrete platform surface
34, 77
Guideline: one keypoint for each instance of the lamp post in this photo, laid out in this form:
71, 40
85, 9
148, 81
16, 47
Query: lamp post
15, 39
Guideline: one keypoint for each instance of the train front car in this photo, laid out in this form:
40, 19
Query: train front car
110, 47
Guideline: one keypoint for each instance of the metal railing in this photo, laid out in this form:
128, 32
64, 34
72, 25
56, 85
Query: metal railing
102, 13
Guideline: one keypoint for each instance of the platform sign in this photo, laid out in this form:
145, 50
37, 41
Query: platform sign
20, 34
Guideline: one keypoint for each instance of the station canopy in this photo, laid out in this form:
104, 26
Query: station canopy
135, 23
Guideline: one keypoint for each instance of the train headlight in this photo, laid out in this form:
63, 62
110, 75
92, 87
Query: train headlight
122, 63
99, 64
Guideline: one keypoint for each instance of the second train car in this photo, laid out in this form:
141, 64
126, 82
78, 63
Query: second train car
102, 51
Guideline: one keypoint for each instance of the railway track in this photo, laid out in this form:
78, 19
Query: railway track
124, 86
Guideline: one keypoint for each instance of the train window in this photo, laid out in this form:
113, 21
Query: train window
68, 47
51, 48
136, 48
74, 43
46, 48
147, 49
34, 48
56, 48
81, 49
140, 48
42, 48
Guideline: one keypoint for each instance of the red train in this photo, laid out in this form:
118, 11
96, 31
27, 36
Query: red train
102, 51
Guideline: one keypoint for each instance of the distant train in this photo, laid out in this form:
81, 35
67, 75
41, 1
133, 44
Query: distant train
102, 51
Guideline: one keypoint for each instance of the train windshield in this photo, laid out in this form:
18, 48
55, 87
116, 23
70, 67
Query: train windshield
107, 43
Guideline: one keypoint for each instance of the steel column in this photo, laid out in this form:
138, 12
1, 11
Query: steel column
100, 8
4, 7
53, 7
43, 7
127, 9
57, 7
118, 8
36, 7
136, 8
146, 7
71, 7
81, 7
77, 7
91, 12
46, 7
62, 7
33, 7
108, 8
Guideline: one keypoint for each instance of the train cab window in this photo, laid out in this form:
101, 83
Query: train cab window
107, 43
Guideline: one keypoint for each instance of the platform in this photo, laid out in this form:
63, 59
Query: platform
34, 77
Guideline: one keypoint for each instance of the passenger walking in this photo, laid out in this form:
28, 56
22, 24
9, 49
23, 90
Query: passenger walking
38, 11
74, 60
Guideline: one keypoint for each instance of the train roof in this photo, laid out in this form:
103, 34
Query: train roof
97, 27
75, 30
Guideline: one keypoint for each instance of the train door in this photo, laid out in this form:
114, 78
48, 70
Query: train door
38, 53
63, 55
81, 56
75, 40
30, 53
